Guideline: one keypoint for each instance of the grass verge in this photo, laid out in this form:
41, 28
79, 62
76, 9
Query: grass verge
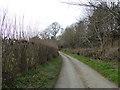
107, 69
44, 76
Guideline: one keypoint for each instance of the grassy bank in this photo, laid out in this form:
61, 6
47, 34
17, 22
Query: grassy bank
44, 76
107, 69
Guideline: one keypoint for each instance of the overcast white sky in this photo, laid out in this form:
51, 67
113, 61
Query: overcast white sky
41, 13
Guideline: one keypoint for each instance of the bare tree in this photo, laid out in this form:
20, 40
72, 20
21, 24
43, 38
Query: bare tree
95, 5
3, 18
54, 28
51, 31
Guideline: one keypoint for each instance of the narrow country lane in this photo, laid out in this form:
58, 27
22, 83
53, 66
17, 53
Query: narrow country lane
75, 74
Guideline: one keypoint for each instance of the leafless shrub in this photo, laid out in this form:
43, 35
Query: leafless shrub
107, 54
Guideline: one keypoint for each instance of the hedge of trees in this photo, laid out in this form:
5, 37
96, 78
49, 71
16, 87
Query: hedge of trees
19, 56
